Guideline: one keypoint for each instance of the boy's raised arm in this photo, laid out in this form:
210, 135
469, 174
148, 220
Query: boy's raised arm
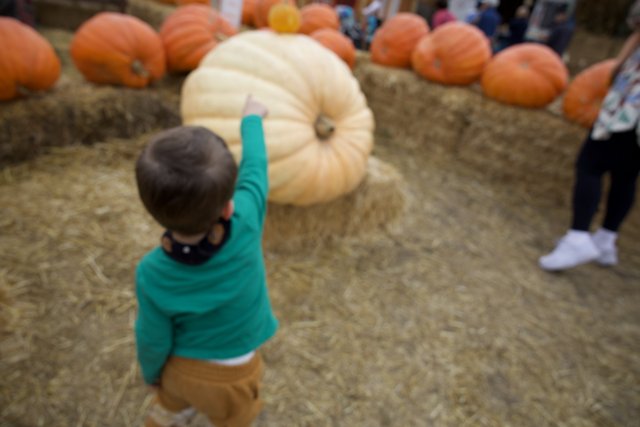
252, 186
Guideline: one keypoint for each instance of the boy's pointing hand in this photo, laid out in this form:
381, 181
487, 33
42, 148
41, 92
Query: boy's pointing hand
253, 107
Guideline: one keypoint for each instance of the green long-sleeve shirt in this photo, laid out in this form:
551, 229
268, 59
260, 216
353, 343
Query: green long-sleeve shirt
219, 309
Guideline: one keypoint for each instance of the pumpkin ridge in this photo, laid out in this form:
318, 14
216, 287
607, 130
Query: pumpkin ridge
101, 44
349, 160
313, 177
285, 163
264, 80
356, 147
278, 58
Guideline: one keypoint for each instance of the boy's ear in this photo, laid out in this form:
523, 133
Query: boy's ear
227, 211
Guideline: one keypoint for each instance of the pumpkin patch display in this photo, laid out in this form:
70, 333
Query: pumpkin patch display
27, 62
317, 16
586, 92
337, 42
319, 131
527, 75
284, 18
394, 42
452, 54
190, 32
262, 9
118, 49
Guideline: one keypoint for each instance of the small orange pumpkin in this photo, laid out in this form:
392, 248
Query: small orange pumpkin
262, 8
248, 9
27, 62
453, 54
394, 42
284, 18
586, 92
316, 16
190, 32
528, 75
337, 42
114, 48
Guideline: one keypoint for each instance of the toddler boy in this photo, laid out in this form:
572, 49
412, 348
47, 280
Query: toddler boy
203, 306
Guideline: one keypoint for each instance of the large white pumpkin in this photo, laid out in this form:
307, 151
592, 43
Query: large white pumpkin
319, 131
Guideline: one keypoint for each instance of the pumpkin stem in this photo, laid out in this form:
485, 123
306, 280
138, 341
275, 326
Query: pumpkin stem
324, 127
139, 69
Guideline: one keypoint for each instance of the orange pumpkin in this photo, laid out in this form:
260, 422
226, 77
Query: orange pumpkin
248, 9
453, 54
337, 42
527, 75
284, 18
113, 48
317, 16
394, 42
27, 62
262, 8
190, 32
586, 92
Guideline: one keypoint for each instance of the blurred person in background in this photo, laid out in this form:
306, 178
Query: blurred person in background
518, 26
612, 146
442, 15
349, 26
488, 19
372, 16
462, 9
514, 33
561, 31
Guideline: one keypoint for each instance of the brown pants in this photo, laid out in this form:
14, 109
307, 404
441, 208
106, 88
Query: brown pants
228, 395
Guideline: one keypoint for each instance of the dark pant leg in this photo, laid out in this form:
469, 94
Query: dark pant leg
590, 167
624, 175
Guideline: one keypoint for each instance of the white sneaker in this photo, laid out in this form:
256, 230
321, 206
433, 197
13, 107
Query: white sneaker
575, 248
605, 241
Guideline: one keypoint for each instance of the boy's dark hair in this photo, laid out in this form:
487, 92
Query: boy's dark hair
185, 177
442, 4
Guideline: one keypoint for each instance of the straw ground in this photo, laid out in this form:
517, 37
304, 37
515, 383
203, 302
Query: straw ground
440, 317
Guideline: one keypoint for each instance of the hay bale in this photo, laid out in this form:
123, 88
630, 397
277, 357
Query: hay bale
79, 113
533, 149
377, 201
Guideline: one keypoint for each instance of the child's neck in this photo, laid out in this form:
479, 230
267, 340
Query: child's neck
187, 240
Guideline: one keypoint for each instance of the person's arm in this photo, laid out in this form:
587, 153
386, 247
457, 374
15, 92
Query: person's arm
252, 186
154, 338
629, 46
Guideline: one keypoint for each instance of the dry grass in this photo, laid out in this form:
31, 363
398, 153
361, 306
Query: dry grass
444, 319
441, 318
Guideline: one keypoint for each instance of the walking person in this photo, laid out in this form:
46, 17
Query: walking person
442, 15
611, 147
